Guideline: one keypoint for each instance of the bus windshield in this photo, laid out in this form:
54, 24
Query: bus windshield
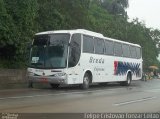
49, 51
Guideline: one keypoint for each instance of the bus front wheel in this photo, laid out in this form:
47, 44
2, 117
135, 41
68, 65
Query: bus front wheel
86, 81
30, 84
54, 85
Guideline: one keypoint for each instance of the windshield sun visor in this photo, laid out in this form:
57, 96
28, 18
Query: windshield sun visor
41, 40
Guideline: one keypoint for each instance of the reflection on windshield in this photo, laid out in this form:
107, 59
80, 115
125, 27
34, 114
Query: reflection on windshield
38, 56
50, 53
56, 56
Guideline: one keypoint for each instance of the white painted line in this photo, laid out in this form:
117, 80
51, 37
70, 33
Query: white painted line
153, 90
134, 101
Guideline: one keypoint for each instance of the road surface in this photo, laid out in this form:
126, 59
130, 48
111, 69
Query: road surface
140, 97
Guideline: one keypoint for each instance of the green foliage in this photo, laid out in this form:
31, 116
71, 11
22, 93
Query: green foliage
62, 14
21, 19
115, 6
17, 19
138, 33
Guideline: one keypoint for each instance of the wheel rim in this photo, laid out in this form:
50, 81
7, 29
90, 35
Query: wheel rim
86, 80
129, 80
85, 84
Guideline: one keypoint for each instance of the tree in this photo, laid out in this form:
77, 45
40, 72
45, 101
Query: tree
138, 33
116, 7
155, 35
17, 27
7, 31
20, 20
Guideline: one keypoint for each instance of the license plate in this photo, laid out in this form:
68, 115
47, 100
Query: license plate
44, 80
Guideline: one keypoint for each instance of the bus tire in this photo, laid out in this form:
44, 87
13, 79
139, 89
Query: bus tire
30, 84
86, 81
128, 81
54, 85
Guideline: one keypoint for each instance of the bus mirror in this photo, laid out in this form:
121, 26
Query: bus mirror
29, 45
70, 45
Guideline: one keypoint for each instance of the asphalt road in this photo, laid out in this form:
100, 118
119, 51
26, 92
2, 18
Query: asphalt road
139, 97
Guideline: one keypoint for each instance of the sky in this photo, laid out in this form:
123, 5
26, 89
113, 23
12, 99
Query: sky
147, 11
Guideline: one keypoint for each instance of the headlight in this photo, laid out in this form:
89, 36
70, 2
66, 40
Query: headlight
30, 74
60, 74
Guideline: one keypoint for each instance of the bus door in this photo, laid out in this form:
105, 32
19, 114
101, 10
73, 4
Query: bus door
74, 56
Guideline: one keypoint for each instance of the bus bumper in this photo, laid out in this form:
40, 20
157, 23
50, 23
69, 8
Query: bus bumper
53, 80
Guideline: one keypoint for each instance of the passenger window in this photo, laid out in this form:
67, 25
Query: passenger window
109, 47
126, 51
117, 49
138, 50
133, 52
88, 44
99, 46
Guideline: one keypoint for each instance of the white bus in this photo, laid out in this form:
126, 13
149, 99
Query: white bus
82, 57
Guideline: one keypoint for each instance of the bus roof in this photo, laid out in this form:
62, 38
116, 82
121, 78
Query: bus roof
82, 31
86, 32
115, 40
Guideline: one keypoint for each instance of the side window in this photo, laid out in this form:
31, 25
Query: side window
88, 44
133, 52
126, 51
99, 46
74, 50
138, 50
109, 47
117, 49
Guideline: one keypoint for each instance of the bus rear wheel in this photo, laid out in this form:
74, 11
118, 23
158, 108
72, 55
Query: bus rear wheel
86, 81
128, 81
54, 85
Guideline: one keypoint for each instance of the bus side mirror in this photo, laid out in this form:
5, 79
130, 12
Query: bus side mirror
29, 45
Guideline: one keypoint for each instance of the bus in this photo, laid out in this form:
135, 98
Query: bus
82, 57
